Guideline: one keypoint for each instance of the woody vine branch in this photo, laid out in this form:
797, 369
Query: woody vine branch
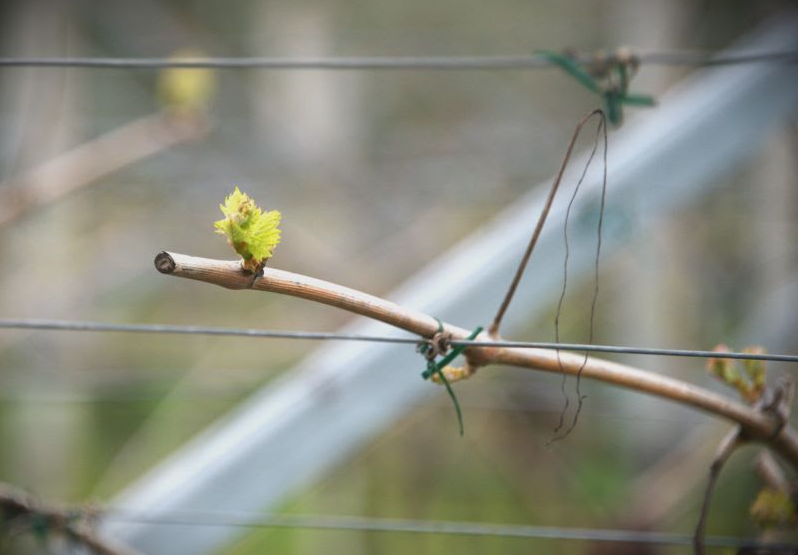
758, 425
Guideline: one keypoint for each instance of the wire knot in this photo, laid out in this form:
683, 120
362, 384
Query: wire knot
602, 64
437, 346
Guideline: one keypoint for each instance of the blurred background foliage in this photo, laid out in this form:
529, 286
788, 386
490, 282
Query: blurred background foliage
376, 173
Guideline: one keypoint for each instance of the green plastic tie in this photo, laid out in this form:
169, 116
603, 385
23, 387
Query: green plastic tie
614, 97
40, 526
437, 368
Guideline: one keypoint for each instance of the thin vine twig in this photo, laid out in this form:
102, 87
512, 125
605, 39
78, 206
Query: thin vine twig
727, 446
493, 329
777, 403
758, 426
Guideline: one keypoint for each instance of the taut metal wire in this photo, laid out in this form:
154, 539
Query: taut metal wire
520, 62
72, 325
370, 524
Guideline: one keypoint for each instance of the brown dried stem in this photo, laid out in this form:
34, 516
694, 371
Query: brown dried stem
727, 446
756, 424
20, 507
493, 329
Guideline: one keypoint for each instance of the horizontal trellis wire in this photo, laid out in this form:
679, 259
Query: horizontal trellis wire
371, 524
70, 325
531, 61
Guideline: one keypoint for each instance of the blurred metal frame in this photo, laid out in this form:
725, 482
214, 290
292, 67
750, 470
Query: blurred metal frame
316, 415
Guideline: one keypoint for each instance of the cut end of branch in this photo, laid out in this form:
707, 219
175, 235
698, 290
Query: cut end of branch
164, 263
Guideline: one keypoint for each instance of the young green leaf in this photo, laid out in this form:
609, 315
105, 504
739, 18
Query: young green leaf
251, 232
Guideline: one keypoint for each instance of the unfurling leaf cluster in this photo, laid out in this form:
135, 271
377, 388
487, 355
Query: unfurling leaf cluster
252, 232
748, 381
